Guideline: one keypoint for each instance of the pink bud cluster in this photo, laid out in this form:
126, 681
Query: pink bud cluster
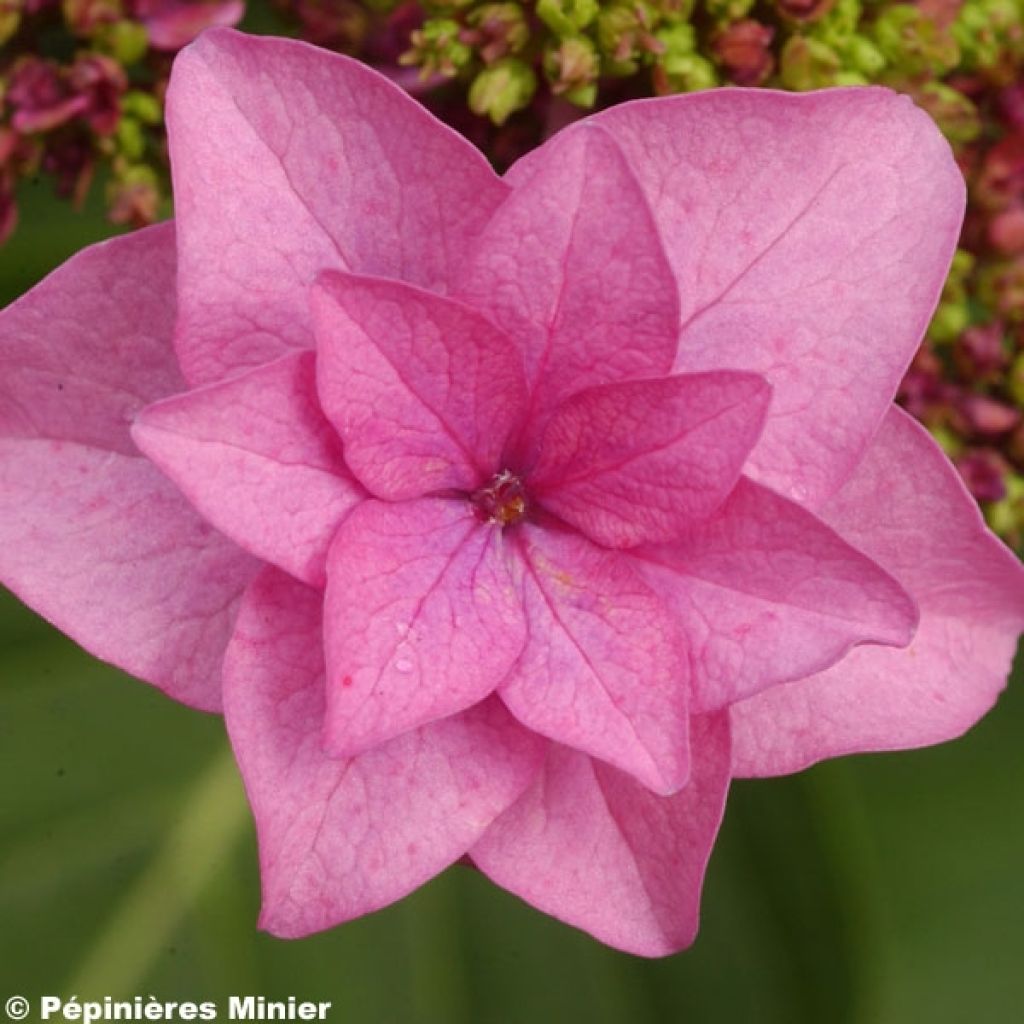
68, 115
967, 383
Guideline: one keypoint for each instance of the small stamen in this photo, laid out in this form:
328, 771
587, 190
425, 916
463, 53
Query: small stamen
502, 502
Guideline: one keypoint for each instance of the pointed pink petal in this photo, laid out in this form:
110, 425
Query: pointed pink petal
86, 349
906, 507
767, 593
422, 619
339, 838
810, 236
170, 25
91, 535
255, 455
602, 671
590, 846
423, 390
638, 461
289, 160
109, 551
572, 266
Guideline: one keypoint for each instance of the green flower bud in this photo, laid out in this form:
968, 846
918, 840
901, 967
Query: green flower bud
677, 41
954, 305
913, 43
961, 268
860, 54
131, 141
685, 72
138, 174
572, 66
619, 31
950, 442
846, 15
143, 106
838, 25
950, 321
957, 117
567, 17
807, 63
496, 30
679, 68
125, 41
437, 48
582, 95
613, 22
501, 89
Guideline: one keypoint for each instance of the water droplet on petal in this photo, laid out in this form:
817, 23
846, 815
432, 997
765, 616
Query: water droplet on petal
403, 665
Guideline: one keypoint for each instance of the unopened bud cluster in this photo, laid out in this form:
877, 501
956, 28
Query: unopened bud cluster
967, 383
81, 88
593, 52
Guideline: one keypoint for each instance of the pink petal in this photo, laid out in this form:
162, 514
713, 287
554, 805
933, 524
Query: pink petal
906, 507
108, 550
170, 25
595, 849
255, 455
339, 838
422, 619
423, 390
767, 593
638, 461
810, 236
289, 160
84, 351
602, 670
572, 266
91, 535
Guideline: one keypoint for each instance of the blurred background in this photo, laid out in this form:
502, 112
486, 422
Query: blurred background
884, 889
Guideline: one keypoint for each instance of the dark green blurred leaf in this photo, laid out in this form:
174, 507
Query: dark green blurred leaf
879, 889
50, 231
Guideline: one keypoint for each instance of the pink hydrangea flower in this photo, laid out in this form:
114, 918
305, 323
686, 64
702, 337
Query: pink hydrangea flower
509, 518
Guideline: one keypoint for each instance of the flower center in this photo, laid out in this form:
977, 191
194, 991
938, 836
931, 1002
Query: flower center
502, 502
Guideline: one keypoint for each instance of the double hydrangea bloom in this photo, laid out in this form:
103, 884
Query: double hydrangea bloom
508, 518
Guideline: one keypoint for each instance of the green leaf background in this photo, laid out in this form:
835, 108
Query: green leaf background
884, 889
